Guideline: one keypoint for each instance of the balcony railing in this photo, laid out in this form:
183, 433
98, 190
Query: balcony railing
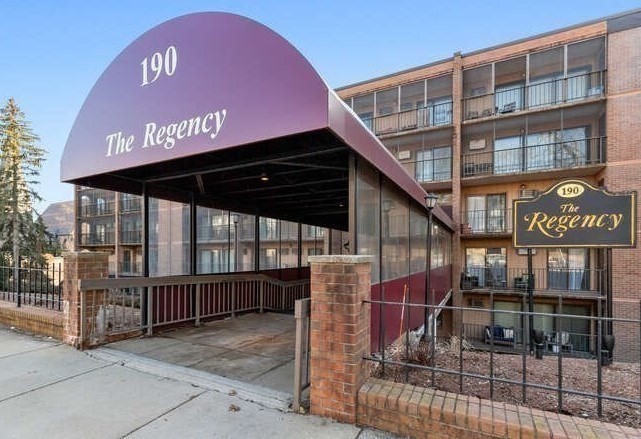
429, 170
574, 88
130, 205
131, 236
497, 277
424, 117
558, 155
487, 222
89, 210
106, 238
130, 268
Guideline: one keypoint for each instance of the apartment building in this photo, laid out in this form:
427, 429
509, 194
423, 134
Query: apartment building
484, 128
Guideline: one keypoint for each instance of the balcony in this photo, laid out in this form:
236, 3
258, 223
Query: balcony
423, 117
130, 205
536, 95
482, 223
95, 239
535, 158
130, 268
578, 282
131, 236
100, 209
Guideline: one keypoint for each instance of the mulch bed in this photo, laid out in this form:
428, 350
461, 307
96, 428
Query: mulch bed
579, 374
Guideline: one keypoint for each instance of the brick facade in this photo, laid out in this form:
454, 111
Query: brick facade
420, 412
339, 334
80, 265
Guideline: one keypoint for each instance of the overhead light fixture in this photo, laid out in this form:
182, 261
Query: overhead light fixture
264, 176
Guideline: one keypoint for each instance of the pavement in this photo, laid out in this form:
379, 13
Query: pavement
253, 348
51, 390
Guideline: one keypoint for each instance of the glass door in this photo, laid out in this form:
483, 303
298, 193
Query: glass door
495, 213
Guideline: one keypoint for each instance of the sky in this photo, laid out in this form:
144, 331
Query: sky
52, 52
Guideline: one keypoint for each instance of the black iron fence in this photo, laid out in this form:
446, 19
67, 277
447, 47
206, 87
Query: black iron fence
34, 285
558, 361
487, 221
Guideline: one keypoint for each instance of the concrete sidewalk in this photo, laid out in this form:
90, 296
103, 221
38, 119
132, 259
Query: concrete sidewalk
51, 390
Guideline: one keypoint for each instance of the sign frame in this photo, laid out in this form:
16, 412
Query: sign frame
580, 187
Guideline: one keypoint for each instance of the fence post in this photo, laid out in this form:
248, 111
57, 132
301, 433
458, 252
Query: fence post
149, 294
340, 333
301, 313
197, 304
76, 313
262, 296
233, 299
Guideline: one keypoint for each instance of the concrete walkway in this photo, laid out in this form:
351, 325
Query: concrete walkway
253, 348
51, 390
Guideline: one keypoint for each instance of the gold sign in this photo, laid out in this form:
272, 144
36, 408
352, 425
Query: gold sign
575, 214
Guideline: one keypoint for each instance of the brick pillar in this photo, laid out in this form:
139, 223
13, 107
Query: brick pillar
340, 333
457, 197
77, 266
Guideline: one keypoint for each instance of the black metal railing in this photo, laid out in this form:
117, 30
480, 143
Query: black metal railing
131, 236
423, 117
559, 279
428, 170
533, 158
35, 285
100, 209
130, 205
106, 238
539, 359
537, 94
130, 268
486, 222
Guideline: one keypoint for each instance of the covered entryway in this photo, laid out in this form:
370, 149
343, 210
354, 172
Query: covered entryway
215, 111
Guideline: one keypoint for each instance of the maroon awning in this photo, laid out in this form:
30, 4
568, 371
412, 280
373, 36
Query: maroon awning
212, 104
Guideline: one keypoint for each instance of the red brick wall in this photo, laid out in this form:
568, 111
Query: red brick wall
624, 173
340, 336
36, 320
79, 265
421, 412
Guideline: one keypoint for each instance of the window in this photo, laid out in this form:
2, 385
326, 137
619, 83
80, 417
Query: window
486, 213
268, 258
567, 269
434, 164
557, 149
486, 267
508, 155
439, 111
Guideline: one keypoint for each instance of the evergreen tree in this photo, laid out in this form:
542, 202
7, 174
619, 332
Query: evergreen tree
20, 161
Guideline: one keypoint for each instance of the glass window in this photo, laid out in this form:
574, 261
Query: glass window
368, 216
486, 267
434, 164
364, 108
546, 78
168, 238
567, 269
508, 155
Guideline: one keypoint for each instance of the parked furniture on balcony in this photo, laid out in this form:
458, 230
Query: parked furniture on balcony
508, 108
553, 346
521, 282
468, 282
502, 335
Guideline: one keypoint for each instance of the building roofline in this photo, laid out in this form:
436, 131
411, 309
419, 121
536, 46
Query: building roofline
497, 46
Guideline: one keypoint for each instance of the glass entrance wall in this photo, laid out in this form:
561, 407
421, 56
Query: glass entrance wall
392, 228
168, 238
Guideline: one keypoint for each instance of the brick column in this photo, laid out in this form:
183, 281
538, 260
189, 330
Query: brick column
77, 266
340, 333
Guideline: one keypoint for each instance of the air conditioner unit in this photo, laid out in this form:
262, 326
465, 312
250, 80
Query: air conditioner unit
477, 144
404, 155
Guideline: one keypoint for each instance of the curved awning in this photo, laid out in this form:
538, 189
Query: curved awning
209, 105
